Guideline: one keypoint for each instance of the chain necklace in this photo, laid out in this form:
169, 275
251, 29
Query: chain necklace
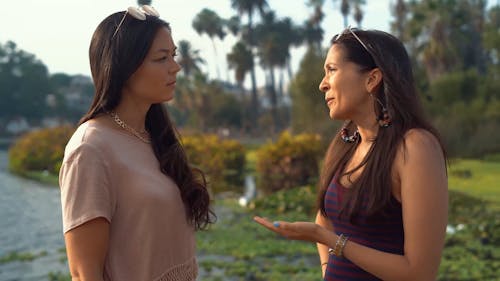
127, 127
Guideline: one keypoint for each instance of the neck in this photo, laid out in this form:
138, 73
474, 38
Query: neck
368, 130
133, 115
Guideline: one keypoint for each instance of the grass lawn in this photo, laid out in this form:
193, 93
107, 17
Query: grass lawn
477, 178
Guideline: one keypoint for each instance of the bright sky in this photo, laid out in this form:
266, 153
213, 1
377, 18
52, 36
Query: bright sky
58, 32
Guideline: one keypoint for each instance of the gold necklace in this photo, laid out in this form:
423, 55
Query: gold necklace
127, 127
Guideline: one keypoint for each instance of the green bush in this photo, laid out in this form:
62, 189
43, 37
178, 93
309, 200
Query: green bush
291, 161
472, 249
40, 150
223, 161
299, 199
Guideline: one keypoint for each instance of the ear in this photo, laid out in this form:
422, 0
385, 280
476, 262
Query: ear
373, 80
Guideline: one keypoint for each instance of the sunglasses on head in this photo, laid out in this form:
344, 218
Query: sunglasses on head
350, 30
138, 13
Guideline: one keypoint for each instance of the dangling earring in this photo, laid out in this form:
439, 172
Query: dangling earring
384, 119
344, 135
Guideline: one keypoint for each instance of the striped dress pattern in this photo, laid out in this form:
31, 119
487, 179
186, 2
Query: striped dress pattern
384, 233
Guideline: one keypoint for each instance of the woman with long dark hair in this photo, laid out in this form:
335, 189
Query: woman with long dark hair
131, 202
382, 201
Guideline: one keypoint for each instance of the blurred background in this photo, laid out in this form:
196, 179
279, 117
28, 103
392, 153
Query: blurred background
247, 100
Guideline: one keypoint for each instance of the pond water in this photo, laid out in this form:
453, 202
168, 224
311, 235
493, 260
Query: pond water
30, 222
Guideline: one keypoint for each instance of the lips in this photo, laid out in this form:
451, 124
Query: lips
328, 100
171, 83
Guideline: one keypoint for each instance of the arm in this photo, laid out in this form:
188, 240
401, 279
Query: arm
421, 170
323, 249
86, 246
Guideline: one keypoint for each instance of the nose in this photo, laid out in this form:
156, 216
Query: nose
323, 86
176, 67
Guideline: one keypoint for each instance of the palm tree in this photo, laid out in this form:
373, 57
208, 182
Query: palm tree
312, 31
274, 42
248, 7
208, 22
241, 60
233, 25
358, 13
189, 58
400, 12
345, 8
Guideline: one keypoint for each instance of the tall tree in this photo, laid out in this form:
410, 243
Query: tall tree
240, 59
447, 35
144, 2
358, 13
313, 33
249, 7
345, 9
309, 112
275, 37
233, 25
189, 58
208, 22
24, 84
400, 13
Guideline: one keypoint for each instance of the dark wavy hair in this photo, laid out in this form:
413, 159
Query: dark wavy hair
113, 59
398, 93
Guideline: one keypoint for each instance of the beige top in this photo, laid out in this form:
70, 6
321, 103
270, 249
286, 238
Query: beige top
107, 172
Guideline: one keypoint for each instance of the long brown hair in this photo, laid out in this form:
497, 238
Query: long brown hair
398, 94
113, 59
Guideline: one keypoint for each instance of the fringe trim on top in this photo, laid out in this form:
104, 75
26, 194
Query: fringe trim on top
187, 271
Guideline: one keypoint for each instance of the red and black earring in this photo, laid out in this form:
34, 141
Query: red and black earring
384, 120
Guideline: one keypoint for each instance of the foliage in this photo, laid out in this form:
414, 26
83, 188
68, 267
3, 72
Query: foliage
291, 161
24, 84
309, 111
205, 105
464, 106
222, 160
472, 250
237, 247
40, 150
20, 256
299, 199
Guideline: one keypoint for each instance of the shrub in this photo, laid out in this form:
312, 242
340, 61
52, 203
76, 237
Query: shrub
222, 161
39, 150
299, 199
471, 252
291, 161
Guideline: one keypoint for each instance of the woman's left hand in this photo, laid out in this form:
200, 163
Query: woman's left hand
306, 231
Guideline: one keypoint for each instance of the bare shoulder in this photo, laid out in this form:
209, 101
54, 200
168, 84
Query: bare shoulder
419, 144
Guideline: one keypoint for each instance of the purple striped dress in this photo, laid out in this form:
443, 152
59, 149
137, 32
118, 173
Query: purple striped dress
381, 233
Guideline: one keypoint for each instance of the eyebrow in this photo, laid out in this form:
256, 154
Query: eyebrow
329, 64
166, 50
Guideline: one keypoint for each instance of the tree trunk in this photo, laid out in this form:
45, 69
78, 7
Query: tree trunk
273, 99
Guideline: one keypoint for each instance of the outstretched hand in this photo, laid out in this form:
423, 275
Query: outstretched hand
305, 231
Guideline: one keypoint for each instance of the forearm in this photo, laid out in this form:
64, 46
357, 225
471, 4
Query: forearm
322, 249
385, 266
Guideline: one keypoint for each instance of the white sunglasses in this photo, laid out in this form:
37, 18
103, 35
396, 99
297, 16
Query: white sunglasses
350, 30
138, 13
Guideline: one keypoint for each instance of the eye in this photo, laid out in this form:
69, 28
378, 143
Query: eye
161, 59
330, 69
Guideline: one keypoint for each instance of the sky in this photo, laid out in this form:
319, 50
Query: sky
58, 32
